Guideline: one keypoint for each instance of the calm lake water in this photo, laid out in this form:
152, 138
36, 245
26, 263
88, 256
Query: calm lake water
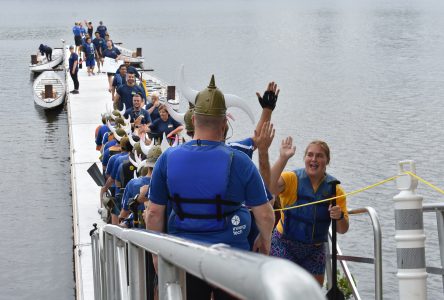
365, 76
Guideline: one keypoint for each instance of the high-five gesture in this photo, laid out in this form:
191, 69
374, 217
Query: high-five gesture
269, 99
287, 149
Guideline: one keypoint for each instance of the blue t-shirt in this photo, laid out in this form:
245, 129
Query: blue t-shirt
158, 127
76, 30
246, 146
100, 133
119, 160
82, 31
102, 30
245, 186
134, 115
126, 95
89, 50
72, 58
111, 53
106, 154
98, 44
118, 80
155, 114
132, 189
112, 164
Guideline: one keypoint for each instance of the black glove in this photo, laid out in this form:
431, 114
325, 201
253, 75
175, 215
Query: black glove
268, 100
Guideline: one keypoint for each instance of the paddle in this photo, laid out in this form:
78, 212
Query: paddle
334, 293
95, 173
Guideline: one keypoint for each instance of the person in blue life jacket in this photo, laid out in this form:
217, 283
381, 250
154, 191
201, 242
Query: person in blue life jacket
89, 50
209, 203
99, 45
46, 50
301, 232
260, 140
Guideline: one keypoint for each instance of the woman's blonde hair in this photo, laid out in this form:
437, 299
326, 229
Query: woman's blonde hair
324, 147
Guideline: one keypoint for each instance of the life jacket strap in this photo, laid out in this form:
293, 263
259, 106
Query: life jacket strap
218, 201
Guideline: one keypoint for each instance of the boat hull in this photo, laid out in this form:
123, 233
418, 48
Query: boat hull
58, 86
57, 58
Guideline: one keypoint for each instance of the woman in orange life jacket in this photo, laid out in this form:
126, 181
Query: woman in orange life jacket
300, 234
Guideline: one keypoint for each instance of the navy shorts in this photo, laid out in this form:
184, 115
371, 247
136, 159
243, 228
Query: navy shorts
311, 257
90, 62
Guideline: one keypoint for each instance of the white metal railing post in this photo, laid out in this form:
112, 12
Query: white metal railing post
440, 224
137, 272
121, 278
109, 266
169, 280
95, 247
410, 237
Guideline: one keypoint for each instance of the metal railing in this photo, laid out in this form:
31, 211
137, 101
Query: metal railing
439, 209
376, 260
120, 268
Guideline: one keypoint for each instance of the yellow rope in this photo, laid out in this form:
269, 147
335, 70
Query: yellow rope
363, 190
426, 182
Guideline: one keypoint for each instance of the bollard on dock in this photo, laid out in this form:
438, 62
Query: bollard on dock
410, 237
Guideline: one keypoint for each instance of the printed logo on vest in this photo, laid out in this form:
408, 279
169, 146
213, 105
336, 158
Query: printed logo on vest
235, 220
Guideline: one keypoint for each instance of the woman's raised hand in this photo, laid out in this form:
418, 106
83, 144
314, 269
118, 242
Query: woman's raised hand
287, 149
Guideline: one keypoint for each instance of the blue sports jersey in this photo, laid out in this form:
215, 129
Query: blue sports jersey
126, 95
245, 186
246, 146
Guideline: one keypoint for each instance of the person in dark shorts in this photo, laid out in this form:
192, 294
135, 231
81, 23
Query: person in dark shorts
90, 28
99, 45
76, 30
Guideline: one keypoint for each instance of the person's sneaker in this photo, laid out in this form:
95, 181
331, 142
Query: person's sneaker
71, 91
74, 92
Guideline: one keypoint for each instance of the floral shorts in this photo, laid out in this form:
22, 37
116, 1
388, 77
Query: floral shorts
311, 257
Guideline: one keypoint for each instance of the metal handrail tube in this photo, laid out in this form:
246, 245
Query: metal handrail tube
428, 207
244, 274
439, 209
377, 245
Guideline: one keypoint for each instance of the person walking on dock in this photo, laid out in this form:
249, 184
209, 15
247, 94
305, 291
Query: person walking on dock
209, 203
89, 50
102, 30
74, 69
99, 45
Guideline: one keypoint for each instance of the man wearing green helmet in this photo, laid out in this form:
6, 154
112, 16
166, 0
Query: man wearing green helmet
209, 204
